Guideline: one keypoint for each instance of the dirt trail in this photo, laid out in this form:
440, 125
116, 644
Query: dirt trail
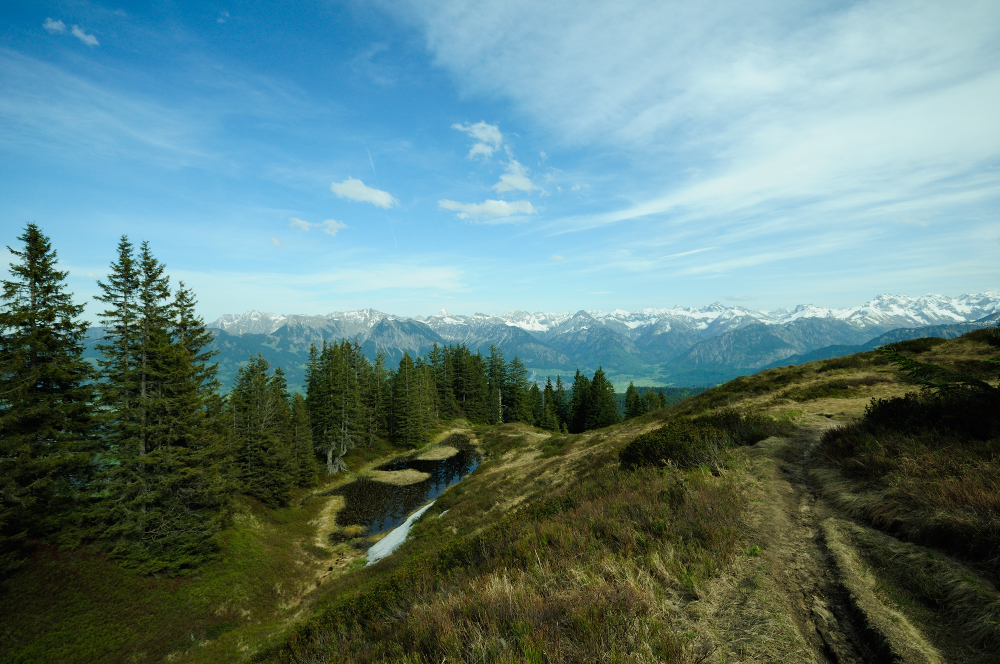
801, 563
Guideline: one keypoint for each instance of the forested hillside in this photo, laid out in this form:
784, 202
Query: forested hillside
139, 453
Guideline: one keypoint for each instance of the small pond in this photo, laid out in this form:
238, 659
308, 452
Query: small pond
380, 506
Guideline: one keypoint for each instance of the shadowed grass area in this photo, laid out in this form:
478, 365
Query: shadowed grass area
78, 606
927, 466
948, 600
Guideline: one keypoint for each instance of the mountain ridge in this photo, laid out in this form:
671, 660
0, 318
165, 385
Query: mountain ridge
652, 346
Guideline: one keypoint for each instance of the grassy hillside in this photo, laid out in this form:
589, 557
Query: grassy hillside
777, 517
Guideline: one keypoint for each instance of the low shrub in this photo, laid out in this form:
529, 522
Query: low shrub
837, 388
856, 361
745, 427
683, 443
989, 335
930, 463
921, 345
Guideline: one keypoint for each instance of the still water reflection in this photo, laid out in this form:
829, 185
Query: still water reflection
380, 506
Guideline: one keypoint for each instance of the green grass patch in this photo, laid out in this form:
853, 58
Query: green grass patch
557, 445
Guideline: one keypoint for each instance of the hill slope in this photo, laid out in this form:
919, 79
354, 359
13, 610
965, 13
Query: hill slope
771, 550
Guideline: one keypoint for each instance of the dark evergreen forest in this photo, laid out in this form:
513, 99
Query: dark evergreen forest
141, 455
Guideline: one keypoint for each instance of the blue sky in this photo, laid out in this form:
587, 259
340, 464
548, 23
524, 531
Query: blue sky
410, 156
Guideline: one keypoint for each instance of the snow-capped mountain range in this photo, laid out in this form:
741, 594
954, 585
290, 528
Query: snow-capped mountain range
881, 313
679, 344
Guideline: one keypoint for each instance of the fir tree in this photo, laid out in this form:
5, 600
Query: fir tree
45, 395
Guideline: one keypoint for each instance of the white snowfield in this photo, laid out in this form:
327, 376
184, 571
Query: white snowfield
395, 537
884, 311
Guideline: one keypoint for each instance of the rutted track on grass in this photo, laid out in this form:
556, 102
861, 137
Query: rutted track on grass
835, 611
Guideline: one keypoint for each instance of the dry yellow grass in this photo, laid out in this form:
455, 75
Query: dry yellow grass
437, 453
398, 477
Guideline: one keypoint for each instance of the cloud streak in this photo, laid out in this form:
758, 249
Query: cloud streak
490, 209
330, 226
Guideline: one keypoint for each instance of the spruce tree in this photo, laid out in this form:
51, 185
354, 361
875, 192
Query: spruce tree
163, 489
561, 403
409, 426
155, 352
306, 467
537, 401
550, 411
191, 381
259, 405
120, 350
517, 395
579, 404
633, 402
603, 406
496, 380
653, 399
45, 395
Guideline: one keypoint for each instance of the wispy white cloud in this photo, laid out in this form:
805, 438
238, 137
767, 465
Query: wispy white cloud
89, 40
355, 190
688, 253
755, 106
275, 242
331, 226
490, 209
488, 138
223, 17
515, 179
45, 108
54, 27
556, 257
